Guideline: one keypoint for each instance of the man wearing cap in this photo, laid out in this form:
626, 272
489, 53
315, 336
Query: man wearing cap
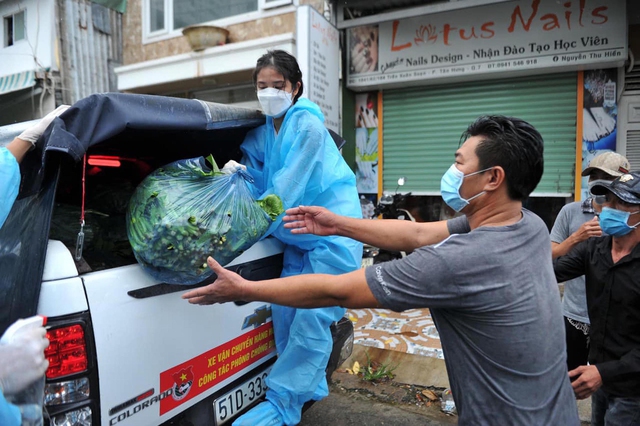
576, 223
611, 266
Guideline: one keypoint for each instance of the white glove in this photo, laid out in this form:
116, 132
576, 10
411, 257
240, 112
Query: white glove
22, 361
34, 132
232, 167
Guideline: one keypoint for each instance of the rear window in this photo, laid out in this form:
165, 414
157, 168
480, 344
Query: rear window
114, 170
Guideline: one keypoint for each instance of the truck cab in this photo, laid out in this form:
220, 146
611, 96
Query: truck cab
126, 349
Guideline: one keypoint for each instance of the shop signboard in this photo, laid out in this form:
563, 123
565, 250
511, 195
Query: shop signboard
524, 37
318, 54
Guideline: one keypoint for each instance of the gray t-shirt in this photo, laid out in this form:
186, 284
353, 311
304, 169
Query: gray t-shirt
569, 220
493, 297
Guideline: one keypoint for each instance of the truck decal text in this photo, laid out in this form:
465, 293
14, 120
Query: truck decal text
206, 370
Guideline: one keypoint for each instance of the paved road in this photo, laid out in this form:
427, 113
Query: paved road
353, 401
349, 409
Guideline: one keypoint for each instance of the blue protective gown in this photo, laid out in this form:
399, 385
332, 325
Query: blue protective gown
9, 182
9, 413
303, 166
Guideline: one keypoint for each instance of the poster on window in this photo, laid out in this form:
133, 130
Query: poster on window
366, 124
599, 117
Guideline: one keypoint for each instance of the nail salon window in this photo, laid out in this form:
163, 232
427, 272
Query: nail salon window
165, 18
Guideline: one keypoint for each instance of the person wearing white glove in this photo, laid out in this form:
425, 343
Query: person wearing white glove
232, 167
12, 155
22, 362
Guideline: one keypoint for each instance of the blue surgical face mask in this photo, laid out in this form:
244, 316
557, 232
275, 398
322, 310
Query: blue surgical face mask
450, 187
614, 222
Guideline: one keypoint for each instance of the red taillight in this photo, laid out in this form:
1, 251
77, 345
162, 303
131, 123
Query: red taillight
104, 161
67, 351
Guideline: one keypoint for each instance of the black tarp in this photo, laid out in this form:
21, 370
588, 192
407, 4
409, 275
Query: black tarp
141, 125
152, 122
103, 117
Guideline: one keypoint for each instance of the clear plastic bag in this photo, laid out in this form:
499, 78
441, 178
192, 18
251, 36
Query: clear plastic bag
186, 211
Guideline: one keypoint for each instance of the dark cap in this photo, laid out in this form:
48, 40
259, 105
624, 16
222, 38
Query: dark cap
625, 187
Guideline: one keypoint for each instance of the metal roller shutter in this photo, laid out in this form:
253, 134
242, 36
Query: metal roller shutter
422, 127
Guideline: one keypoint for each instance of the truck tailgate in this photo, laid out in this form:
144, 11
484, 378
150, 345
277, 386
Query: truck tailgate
157, 356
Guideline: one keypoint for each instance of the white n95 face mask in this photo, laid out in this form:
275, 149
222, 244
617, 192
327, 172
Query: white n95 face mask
274, 102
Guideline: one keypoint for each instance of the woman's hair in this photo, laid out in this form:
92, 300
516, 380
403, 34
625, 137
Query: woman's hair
285, 64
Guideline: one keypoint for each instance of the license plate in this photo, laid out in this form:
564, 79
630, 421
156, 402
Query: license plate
239, 398
367, 261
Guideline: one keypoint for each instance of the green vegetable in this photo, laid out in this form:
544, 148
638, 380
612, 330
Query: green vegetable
186, 211
272, 205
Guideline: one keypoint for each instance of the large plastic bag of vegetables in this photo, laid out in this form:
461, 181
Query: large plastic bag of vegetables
188, 210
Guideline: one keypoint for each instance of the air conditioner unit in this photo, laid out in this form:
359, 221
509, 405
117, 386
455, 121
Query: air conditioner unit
629, 118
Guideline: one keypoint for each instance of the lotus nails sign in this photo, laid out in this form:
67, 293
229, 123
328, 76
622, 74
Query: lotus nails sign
518, 36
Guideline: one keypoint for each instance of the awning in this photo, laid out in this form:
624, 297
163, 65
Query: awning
13, 82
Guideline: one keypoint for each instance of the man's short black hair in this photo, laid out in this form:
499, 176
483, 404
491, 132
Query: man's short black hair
512, 144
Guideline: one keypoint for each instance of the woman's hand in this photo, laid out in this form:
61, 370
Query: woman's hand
22, 360
228, 287
311, 220
33, 133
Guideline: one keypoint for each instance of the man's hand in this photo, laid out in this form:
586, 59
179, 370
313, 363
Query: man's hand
34, 132
587, 230
22, 361
228, 287
586, 380
311, 220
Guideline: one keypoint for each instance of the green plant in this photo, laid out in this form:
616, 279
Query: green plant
375, 371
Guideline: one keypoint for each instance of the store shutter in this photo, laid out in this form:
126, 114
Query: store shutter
422, 127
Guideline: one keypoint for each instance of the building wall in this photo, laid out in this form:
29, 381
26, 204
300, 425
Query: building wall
135, 51
37, 50
91, 47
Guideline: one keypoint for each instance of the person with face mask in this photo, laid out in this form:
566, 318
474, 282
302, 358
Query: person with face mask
575, 223
611, 266
294, 156
487, 278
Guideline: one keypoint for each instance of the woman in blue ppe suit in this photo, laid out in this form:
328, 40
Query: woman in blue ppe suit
22, 361
294, 157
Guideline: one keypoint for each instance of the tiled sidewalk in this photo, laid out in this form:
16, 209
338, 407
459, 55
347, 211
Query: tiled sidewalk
410, 331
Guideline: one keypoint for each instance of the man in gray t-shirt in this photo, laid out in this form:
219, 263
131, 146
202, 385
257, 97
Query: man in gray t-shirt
575, 223
488, 280
494, 308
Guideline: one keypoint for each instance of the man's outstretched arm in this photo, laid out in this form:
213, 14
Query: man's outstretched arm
389, 234
302, 291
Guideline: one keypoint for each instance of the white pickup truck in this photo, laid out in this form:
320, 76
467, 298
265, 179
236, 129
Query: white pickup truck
126, 349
